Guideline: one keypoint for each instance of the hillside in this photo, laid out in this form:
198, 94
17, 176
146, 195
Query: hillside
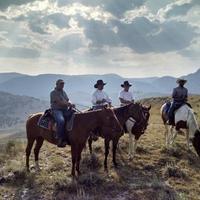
80, 87
15, 109
155, 173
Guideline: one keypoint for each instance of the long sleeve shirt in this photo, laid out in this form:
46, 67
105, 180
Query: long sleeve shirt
99, 95
180, 94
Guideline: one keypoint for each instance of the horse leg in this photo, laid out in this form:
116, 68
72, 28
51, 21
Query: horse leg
39, 143
90, 144
188, 140
28, 151
130, 146
74, 159
134, 146
106, 141
171, 135
79, 158
166, 136
115, 142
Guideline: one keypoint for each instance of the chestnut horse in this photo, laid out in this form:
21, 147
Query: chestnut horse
83, 124
124, 113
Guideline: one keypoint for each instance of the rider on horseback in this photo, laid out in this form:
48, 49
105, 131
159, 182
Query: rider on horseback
61, 109
179, 95
125, 96
99, 98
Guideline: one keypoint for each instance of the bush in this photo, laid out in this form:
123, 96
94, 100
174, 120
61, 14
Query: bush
173, 171
90, 180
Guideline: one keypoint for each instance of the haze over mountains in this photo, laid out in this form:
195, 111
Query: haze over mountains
80, 87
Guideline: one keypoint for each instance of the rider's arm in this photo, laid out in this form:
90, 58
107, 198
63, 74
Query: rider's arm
174, 93
125, 101
60, 102
63, 103
186, 95
108, 99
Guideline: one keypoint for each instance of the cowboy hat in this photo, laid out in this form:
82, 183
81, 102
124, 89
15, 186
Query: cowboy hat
126, 83
99, 82
181, 80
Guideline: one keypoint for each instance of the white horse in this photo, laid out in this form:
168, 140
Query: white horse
184, 119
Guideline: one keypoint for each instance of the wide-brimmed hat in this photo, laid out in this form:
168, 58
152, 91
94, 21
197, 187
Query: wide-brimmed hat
181, 80
126, 83
59, 81
99, 82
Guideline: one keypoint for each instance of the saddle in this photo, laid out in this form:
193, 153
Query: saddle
48, 122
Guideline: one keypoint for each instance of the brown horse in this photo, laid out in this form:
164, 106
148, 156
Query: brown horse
83, 124
135, 111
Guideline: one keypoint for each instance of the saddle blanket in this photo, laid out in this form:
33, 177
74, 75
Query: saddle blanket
46, 121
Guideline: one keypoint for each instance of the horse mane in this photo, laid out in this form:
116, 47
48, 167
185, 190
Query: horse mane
89, 111
122, 109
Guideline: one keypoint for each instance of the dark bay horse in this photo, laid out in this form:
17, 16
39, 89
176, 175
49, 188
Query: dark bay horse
83, 124
135, 111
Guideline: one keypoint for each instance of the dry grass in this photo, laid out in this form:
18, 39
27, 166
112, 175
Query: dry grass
155, 173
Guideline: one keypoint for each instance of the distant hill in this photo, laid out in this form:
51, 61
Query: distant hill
80, 87
7, 76
14, 109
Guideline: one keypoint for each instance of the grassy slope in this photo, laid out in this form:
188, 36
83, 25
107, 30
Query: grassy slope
155, 173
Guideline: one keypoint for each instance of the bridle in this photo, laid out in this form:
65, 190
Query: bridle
141, 125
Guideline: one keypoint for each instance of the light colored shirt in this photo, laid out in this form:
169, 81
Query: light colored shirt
180, 94
99, 95
127, 96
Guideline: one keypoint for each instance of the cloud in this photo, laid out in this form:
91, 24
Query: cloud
6, 3
99, 33
19, 52
116, 7
178, 8
58, 19
141, 35
68, 43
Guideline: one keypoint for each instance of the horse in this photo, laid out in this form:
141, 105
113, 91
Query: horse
83, 124
132, 112
184, 119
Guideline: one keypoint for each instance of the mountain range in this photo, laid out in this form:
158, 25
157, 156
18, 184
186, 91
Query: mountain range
15, 109
80, 87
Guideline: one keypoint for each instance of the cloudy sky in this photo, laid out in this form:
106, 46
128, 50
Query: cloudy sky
133, 38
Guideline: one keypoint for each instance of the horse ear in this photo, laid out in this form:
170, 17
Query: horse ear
149, 108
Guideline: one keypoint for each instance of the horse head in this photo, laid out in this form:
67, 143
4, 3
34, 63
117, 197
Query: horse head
141, 114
